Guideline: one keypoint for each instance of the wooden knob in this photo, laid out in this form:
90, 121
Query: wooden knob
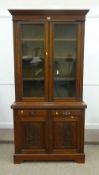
32, 112
21, 111
72, 117
56, 113
46, 53
48, 18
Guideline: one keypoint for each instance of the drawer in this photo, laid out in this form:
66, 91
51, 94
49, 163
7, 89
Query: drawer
66, 112
30, 113
66, 115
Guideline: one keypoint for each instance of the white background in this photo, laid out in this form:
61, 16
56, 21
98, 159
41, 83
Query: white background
91, 55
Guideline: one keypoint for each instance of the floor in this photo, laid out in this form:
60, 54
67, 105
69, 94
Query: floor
90, 167
6, 135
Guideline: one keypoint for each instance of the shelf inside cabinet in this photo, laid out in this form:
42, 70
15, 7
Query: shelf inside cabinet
32, 39
64, 79
27, 58
65, 58
65, 39
33, 79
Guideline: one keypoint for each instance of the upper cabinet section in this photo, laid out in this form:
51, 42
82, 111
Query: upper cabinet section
48, 54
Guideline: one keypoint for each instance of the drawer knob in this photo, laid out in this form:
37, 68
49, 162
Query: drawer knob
21, 111
72, 117
48, 18
46, 53
32, 112
57, 113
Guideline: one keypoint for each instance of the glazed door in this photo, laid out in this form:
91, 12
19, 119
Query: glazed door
33, 60
65, 59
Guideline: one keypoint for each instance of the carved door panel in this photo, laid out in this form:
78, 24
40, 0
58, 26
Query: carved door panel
33, 126
65, 129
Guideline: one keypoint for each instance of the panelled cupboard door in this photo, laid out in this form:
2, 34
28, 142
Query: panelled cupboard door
65, 131
31, 40
32, 131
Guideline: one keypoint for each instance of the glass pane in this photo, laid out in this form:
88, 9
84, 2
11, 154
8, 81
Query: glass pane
65, 44
33, 60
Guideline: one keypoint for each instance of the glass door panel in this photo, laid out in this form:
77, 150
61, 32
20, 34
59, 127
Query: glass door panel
65, 48
33, 60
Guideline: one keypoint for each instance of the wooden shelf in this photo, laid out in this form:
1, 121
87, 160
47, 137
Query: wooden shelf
32, 79
27, 58
65, 78
64, 57
32, 39
65, 39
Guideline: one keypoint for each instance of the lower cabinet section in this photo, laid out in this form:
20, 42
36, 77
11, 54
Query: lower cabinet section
49, 135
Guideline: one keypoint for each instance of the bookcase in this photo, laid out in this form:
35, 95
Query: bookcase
49, 112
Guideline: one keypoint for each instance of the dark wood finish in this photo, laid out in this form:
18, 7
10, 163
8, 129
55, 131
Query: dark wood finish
48, 128
48, 11
49, 105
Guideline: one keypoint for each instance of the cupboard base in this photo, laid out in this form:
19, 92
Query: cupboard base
79, 157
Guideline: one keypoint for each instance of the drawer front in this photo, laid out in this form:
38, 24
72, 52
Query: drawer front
66, 114
32, 113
